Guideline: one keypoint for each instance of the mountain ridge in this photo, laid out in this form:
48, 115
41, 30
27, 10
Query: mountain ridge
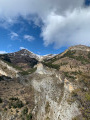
53, 88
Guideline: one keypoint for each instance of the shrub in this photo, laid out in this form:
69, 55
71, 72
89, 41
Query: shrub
32, 70
24, 73
13, 98
25, 110
52, 65
15, 103
76, 72
1, 78
5, 109
19, 104
0, 100
74, 93
69, 76
29, 116
69, 53
89, 55
87, 96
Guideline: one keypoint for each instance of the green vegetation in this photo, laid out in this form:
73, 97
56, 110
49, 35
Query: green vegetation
13, 98
52, 65
84, 102
61, 64
47, 118
29, 116
12, 65
15, 103
5, 109
1, 78
70, 54
25, 115
77, 118
74, 93
68, 75
84, 80
4, 77
82, 96
87, 96
76, 73
25, 111
30, 71
0, 100
5, 58
82, 59
89, 55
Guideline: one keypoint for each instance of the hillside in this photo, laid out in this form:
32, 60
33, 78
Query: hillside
23, 59
51, 87
74, 63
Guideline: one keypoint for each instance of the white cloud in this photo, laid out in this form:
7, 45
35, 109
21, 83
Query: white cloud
29, 38
70, 29
13, 35
3, 52
9, 9
21, 48
65, 22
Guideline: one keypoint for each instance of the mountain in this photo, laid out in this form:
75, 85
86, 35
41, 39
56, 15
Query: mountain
51, 87
22, 59
76, 58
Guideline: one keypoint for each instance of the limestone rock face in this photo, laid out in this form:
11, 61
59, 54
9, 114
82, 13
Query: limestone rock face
51, 95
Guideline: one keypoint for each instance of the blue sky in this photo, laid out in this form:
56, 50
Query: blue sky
13, 39
44, 30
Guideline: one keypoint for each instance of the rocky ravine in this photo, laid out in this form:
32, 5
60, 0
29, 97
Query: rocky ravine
50, 94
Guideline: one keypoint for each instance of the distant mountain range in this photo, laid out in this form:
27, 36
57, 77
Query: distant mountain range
23, 58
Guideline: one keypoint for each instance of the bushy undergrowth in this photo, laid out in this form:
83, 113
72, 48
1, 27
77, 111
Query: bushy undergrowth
32, 70
25, 115
25, 111
12, 65
15, 103
82, 95
89, 55
81, 58
29, 116
0, 100
68, 75
49, 64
